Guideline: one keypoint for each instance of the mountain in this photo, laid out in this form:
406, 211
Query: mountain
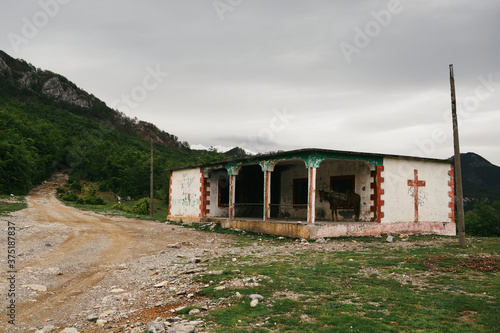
480, 179
48, 124
25, 82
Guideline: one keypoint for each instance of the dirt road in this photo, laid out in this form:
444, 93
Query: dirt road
77, 254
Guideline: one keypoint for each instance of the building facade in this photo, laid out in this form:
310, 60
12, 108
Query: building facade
287, 193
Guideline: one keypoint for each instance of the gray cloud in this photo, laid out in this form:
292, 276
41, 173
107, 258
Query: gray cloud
228, 77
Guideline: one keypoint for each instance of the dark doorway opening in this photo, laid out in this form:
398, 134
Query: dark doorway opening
249, 198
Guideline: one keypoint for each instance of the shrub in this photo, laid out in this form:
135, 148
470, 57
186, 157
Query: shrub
61, 190
70, 196
141, 206
483, 220
89, 195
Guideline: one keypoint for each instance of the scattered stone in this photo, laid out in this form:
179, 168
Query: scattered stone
161, 284
256, 296
351, 259
404, 237
190, 296
193, 271
46, 329
155, 326
194, 312
101, 322
234, 259
238, 295
180, 308
320, 240
254, 303
220, 288
36, 287
69, 330
235, 271
281, 237
92, 317
389, 239
117, 291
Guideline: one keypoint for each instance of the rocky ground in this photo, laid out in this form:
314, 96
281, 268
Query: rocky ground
80, 271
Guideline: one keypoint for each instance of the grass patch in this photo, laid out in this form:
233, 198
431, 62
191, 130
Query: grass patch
11, 204
387, 289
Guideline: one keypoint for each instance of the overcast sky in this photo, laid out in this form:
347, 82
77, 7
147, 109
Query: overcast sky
368, 76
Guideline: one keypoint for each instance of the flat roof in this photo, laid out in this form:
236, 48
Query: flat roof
305, 151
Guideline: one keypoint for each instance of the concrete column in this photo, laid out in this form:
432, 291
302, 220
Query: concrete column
311, 200
267, 195
232, 193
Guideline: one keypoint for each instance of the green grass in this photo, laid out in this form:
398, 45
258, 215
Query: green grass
11, 204
388, 289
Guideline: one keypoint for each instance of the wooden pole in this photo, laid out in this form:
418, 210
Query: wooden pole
458, 168
151, 197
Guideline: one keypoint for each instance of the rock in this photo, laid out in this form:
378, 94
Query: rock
194, 312
389, 239
28, 80
181, 329
180, 308
256, 296
137, 330
117, 291
281, 237
234, 259
238, 295
45, 329
54, 88
101, 322
69, 330
155, 326
92, 317
220, 288
254, 303
320, 240
235, 271
36, 287
161, 284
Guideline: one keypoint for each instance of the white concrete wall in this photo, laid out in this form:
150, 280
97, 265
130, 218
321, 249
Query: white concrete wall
433, 198
185, 192
215, 210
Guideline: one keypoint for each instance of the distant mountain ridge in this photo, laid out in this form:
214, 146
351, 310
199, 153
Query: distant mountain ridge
480, 179
19, 79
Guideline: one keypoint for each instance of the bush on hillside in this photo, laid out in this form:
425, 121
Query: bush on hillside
141, 206
89, 195
483, 220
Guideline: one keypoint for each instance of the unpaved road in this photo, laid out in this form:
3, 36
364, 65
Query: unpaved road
72, 252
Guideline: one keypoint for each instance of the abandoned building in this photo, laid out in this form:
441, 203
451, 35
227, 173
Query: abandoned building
313, 193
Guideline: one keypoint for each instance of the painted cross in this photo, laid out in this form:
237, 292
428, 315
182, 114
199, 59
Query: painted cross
416, 184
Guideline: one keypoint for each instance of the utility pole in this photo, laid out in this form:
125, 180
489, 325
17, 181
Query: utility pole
458, 167
151, 213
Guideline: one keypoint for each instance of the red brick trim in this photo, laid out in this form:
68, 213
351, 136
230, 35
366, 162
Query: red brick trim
451, 193
376, 197
204, 193
170, 195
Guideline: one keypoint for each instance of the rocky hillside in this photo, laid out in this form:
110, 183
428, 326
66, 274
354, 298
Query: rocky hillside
21, 80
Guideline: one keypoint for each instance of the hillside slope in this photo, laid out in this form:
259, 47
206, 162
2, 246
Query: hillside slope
25, 82
48, 124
